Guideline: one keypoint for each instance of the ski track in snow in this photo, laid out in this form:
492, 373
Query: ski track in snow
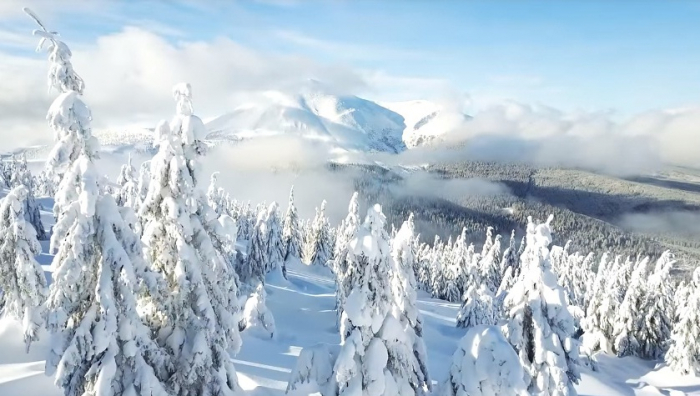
303, 307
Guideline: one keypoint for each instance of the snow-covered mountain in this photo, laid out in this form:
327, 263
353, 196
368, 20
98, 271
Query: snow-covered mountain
424, 120
342, 121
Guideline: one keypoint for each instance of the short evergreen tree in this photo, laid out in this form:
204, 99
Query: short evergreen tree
477, 308
256, 315
217, 197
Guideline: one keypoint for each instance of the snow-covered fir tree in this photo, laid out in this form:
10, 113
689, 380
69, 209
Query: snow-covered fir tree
489, 264
484, 364
539, 325
629, 320
461, 262
275, 245
144, 179
405, 309
256, 315
346, 232
319, 247
22, 282
510, 259
477, 308
596, 322
180, 234
256, 264
68, 116
217, 197
291, 236
658, 310
99, 344
32, 210
368, 362
683, 355
127, 193
44, 185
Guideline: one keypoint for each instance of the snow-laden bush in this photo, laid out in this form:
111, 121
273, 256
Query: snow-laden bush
256, 316
313, 371
484, 364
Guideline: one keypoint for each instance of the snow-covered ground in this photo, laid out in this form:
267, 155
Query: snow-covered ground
303, 310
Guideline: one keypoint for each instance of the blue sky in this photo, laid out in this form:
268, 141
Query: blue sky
592, 55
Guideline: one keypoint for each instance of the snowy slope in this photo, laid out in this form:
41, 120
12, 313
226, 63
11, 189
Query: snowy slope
426, 120
342, 121
303, 310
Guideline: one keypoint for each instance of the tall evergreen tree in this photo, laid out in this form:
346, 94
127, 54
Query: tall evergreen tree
539, 325
684, 354
181, 235
405, 309
628, 325
255, 268
275, 245
99, 344
319, 248
291, 237
658, 310
510, 258
370, 362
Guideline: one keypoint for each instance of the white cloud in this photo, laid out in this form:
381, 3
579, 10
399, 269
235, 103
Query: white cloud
129, 75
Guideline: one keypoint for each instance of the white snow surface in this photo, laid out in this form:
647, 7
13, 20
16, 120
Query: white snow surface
303, 310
